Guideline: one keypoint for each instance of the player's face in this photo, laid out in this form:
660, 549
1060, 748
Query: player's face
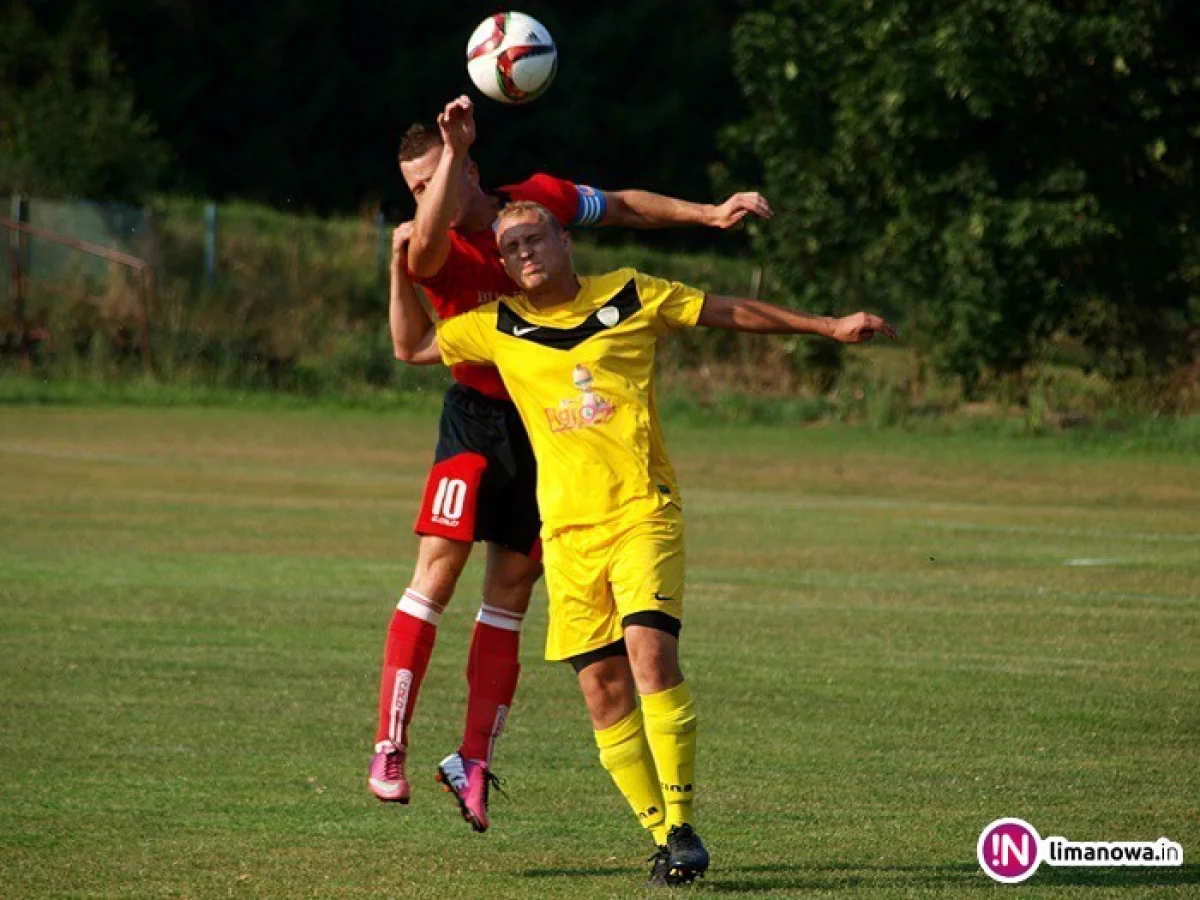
534, 252
418, 172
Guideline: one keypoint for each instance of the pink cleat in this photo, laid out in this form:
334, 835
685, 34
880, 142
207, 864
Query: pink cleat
469, 780
387, 780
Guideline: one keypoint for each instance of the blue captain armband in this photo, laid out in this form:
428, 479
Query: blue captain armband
592, 205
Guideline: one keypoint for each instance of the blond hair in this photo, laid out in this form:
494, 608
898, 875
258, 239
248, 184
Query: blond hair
528, 207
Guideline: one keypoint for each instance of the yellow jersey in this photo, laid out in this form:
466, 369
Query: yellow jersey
582, 377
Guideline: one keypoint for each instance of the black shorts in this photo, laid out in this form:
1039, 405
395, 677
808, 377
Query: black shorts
483, 485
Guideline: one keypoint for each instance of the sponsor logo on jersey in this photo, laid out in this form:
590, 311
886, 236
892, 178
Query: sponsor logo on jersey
583, 411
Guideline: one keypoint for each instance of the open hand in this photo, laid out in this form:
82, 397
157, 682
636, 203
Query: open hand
738, 207
859, 327
457, 124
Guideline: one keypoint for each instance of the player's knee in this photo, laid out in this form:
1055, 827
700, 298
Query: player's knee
608, 689
657, 672
653, 653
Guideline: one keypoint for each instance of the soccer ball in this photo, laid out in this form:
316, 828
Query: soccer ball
511, 57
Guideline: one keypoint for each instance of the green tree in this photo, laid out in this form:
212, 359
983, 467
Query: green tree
69, 124
995, 172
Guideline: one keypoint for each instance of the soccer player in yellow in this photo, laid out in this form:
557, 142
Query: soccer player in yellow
577, 355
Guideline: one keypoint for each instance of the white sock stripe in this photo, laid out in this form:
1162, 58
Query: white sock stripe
502, 613
418, 597
499, 618
419, 607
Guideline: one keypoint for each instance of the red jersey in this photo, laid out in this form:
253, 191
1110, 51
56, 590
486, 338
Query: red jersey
473, 273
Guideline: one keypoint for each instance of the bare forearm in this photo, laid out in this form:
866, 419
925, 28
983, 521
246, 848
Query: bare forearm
759, 317
427, 352
407, 317
431, 226
643, 209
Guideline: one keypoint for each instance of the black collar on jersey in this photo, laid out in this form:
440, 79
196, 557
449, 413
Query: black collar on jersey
626, 302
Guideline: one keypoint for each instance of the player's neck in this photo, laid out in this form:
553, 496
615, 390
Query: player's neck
558, 292
481, 213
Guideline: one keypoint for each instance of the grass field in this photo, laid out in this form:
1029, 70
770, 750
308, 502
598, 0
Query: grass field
893, 640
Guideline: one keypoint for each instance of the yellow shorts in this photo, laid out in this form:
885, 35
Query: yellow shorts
597, 575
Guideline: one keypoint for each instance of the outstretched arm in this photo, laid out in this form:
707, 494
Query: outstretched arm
407, 317
643, 209
430, 244
758, 317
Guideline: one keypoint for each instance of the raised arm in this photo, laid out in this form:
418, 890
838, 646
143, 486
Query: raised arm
759, 317
643, 209
407, 317
430, 244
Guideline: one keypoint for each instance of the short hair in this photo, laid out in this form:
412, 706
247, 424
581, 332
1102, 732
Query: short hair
523, 207
418, 141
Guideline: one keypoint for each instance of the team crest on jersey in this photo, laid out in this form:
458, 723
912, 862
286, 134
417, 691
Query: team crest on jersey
583, 411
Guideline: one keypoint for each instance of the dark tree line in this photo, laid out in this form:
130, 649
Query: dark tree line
999, 174
302, 104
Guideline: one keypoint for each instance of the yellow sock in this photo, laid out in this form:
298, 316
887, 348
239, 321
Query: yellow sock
671, 732
626, 755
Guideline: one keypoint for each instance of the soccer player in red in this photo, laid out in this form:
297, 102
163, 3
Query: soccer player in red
482, 485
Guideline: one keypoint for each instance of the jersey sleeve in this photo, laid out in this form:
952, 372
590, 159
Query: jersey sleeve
671, 303
468, 337
572, 204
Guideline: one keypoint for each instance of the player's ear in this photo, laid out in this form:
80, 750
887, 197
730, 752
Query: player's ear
566, 239
472, 171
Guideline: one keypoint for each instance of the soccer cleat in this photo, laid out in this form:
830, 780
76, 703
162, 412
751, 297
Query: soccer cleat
386, 778
687, 859
469, 780
660, 863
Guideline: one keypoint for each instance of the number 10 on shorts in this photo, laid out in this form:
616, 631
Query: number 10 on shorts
448, 501
451, 496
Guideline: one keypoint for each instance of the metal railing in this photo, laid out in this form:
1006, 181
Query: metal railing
143, 272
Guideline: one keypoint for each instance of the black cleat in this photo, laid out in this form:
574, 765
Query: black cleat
687, 859
660, 862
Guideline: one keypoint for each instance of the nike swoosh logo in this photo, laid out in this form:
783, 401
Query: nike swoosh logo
518, 332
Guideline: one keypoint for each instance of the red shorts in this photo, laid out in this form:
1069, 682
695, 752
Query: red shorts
483, 485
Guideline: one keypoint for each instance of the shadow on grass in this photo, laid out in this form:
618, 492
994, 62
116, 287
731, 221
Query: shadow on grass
781, 876
584, 871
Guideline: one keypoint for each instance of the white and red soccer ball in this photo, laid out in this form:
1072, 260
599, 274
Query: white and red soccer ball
511, 57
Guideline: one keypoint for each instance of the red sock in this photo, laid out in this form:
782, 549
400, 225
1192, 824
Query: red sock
492, 672
405, 659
